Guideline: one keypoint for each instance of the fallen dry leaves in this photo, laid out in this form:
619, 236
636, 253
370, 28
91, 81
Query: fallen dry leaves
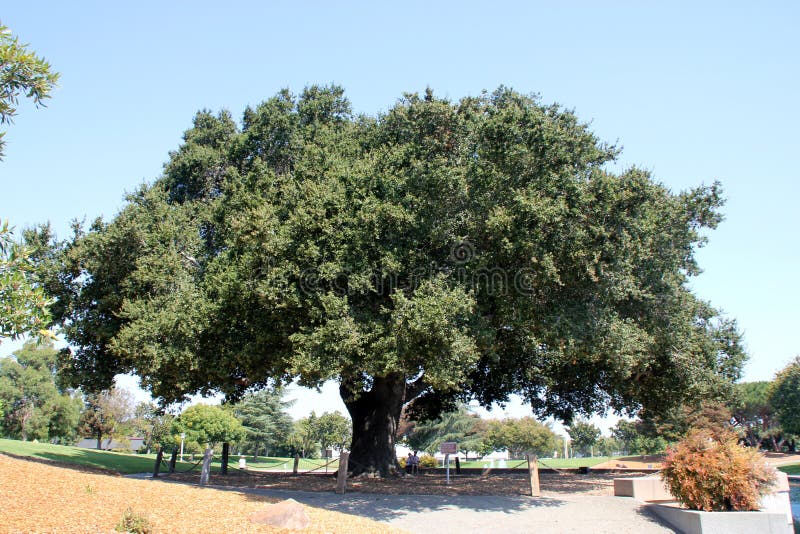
39, 497
426, 483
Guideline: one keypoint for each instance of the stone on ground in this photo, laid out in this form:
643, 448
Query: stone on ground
288, 514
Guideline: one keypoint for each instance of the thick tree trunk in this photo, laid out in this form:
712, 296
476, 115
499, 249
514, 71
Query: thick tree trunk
375, 414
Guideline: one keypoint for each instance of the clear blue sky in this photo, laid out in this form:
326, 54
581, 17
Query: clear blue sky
692, 93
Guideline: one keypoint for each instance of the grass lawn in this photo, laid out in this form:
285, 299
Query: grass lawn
557, 463
793, 469
144, 463
122, 463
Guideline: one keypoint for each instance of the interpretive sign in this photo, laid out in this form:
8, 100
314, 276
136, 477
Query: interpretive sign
448, 447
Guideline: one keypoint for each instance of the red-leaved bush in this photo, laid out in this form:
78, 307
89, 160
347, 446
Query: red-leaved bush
710, 471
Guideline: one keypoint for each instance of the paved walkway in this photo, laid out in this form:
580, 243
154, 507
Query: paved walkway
436, 514
421, 514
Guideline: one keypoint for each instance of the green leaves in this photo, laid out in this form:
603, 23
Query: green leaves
22, 73
24, 307
467, 250
784, 396
210, 425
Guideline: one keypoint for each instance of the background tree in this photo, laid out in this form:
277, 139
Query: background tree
608, 446
265, 420
22, 73
303, 439
784, 396
637, 437
521, 436
35, 407
154, 425
106, 414
332, 430
584, 435
461, 426
208, 425
440, 252
755, 417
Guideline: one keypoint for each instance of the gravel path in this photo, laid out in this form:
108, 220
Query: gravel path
421, 514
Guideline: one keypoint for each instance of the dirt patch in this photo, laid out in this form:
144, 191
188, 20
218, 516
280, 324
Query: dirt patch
655, 461
42, 497
633, 462
430, 483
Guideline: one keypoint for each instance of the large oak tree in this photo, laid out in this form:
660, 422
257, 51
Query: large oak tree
439, 252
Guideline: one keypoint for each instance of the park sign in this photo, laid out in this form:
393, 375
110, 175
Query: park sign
448, 447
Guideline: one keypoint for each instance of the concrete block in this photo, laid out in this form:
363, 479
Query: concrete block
697, 522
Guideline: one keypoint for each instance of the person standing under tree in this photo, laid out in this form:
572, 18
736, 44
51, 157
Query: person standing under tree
413, 459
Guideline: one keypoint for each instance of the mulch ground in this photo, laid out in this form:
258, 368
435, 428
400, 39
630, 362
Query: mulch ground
41, 496
429, 483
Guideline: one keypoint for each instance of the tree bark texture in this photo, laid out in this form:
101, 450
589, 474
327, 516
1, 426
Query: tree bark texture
375, 414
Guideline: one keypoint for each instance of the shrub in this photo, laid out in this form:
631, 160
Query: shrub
427, 461
133, 522
710, 471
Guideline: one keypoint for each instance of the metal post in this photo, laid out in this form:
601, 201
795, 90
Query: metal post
183, 437
447, 461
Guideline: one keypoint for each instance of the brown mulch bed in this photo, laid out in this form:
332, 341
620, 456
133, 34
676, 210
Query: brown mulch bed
429, 483
37, 496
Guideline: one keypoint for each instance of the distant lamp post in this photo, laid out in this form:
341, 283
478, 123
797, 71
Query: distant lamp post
183, 437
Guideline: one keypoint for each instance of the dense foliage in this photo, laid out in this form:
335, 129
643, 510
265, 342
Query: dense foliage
208, 425
23, 303
584, 436
521, 436
266, 423
710, 471
107, 414
441, 251
784, 397
32, 404
312, 436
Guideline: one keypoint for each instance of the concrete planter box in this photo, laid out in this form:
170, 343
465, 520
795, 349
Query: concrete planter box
774, 517
695, 522
645, 489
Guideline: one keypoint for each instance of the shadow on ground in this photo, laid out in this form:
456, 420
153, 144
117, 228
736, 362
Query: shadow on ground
387, 507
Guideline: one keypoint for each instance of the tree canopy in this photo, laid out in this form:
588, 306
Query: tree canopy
784, 396
521, 436
584, 435
209, 425
35, 405
265, 420
438, 252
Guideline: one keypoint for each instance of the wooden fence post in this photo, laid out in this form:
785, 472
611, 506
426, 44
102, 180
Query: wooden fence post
341, 478
157, 467
205, 472
533, 472
225, 449
173, 457
296, 464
